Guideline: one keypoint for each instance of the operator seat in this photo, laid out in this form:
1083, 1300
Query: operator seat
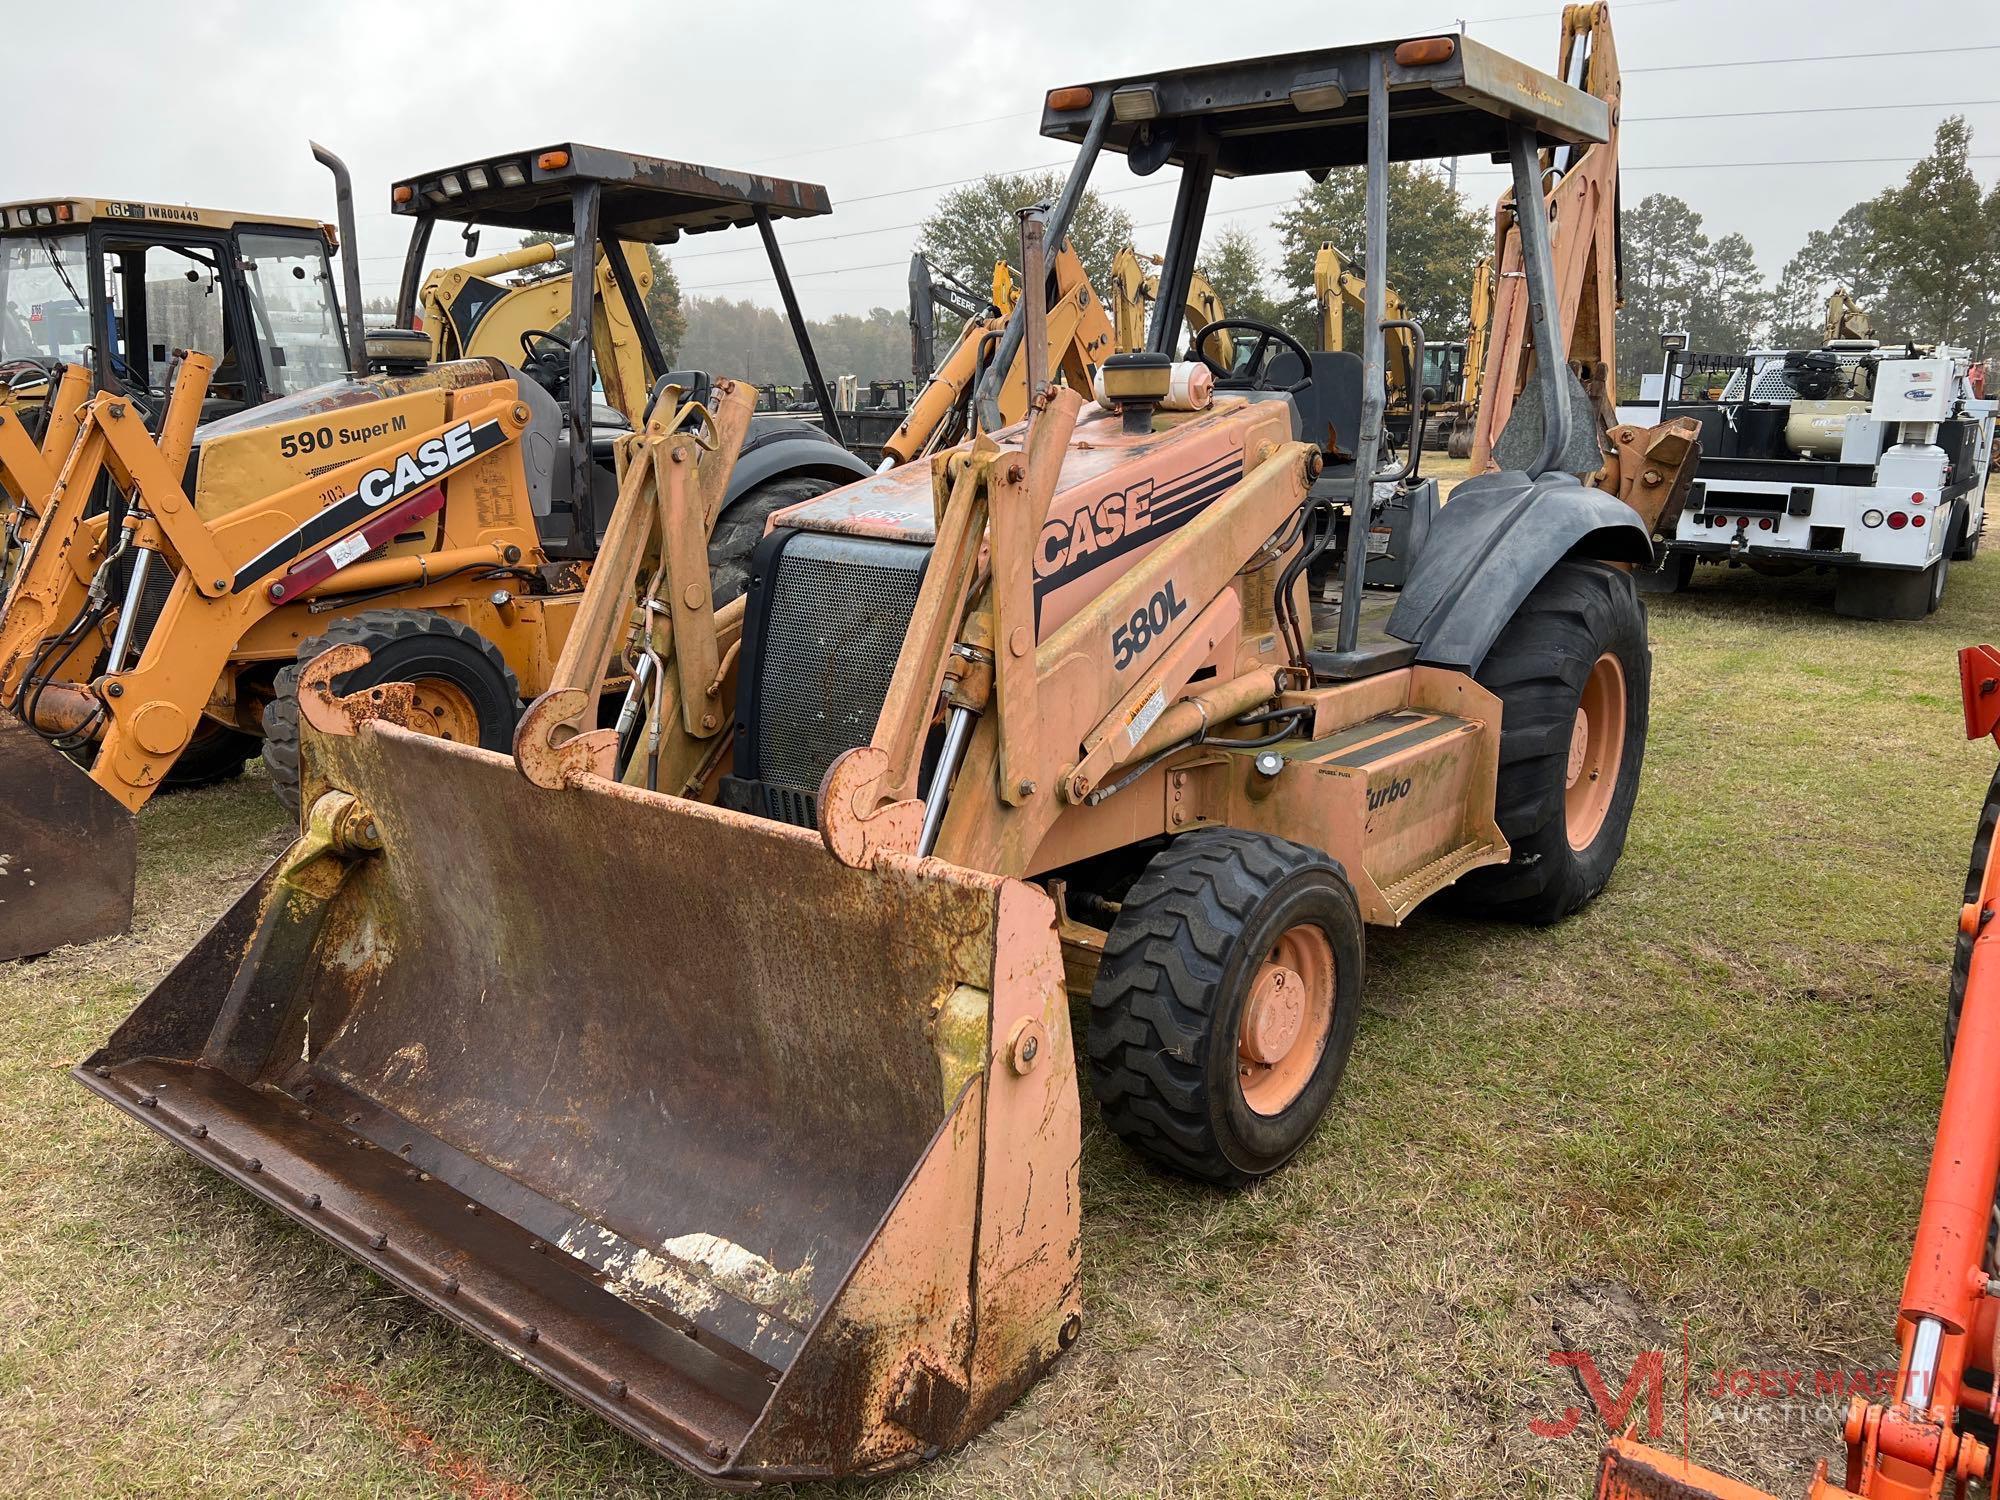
1330, 408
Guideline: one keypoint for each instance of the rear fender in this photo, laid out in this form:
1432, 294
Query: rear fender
1494, 540
787, 456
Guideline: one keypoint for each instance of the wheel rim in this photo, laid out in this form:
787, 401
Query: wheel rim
448, 713
1286, 1020
1596, 750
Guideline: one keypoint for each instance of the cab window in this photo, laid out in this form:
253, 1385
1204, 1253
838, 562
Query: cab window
294, 317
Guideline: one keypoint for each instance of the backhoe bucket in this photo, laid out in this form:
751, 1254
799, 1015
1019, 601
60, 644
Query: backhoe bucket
768, 1159
69, 850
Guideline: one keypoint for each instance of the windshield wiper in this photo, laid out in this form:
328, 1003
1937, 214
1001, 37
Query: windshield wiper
55, 260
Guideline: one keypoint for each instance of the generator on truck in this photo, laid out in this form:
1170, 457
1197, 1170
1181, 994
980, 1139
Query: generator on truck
442, 514
1934, 1432
1857, 458
718, 1066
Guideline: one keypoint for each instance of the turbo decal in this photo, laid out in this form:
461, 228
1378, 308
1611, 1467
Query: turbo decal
427, 463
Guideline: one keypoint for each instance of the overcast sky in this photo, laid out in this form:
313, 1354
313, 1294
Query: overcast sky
213, 103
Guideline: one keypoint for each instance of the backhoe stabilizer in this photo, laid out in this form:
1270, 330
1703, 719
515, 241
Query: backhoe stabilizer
770, 1160
69, 851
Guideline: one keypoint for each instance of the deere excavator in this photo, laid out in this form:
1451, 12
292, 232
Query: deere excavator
443, 514
716, 1064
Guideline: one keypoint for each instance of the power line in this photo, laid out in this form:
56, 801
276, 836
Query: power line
1774, 62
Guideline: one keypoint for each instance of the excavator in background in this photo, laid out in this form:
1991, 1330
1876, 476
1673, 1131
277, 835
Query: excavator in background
1079, 339
1464, 413
443, 515
1134, 289
1339, 291
717, 1065
1935, 1429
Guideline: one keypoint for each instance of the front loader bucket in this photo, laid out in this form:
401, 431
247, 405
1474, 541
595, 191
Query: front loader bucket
769, 1160
69, 850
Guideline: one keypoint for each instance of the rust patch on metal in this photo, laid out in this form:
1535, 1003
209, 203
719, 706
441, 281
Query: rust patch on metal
69, 851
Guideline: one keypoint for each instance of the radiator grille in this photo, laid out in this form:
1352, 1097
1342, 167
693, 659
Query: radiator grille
838, 610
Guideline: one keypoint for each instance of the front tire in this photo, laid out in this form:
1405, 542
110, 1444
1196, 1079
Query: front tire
1574, 676
463, 682
1225, 1006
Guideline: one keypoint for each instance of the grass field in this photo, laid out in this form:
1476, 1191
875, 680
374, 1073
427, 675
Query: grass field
1699, 1111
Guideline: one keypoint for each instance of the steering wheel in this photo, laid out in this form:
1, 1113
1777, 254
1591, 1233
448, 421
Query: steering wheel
1251, 368
534, 336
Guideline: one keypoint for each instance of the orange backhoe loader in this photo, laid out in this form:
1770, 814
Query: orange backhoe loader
1935, 1432
717, 1066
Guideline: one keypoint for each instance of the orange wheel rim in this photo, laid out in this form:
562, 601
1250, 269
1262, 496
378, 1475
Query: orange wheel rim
1596, 750
447, 712
1286, 1020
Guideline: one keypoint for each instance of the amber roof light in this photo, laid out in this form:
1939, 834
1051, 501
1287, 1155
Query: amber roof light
1076, 96
1425, 51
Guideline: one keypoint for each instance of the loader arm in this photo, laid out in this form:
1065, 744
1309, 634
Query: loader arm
1135, 289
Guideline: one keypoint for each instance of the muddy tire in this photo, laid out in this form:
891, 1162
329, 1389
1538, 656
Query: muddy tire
1574, 675
215, 754
1224, 1009
467, 686
741, 527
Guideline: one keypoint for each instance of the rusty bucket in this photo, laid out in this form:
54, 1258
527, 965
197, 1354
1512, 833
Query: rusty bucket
769, 1160
69, 851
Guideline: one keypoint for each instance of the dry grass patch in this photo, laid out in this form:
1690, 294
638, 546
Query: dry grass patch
1677, 1115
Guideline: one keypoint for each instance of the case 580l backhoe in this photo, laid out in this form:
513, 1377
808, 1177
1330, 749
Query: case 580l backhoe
720, 1069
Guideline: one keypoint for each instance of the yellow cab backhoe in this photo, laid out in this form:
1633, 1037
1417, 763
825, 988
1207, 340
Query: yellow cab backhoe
441, 514
1464, 415
99, 293
721, 1071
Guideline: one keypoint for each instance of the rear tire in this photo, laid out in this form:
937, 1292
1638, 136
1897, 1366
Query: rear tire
1967, 546
215, 754
1886, 594
1574, 675
1225, 1007
476, 698
741, 526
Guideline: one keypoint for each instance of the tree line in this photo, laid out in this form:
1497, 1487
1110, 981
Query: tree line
1922, 257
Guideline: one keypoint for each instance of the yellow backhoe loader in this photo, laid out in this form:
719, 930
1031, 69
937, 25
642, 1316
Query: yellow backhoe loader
1080, 338
718, 1066
1479, 319
1134, 289
443, 515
